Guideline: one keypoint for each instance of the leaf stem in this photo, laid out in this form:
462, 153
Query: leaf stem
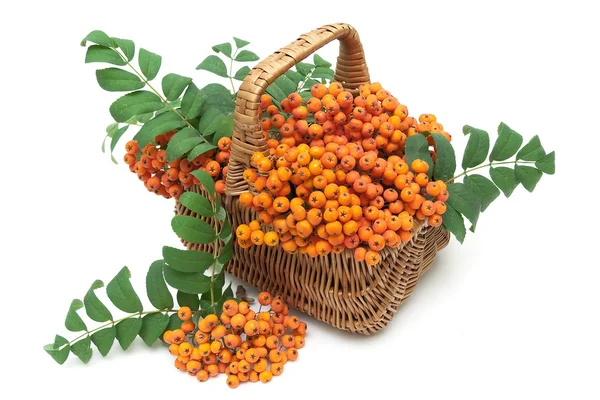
487, 165
308, 76
137, 314
215, 256
231, 71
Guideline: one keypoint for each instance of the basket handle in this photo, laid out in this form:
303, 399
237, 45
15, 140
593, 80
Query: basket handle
351, 70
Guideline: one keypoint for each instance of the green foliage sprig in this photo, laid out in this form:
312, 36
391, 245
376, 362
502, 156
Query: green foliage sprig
476, 192
201, 116
191, 272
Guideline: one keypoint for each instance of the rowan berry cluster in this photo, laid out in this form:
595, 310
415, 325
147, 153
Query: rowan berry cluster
335, 175
170, 179
245, 345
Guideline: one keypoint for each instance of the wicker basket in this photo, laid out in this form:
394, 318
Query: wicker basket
336, 289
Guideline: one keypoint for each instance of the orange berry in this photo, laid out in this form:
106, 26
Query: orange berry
132, 147
251, 328
184, 313
407, 195
265, 376
360, 253
230, 308
435, 220
419, 166
440, 207
265, 298
233, 381
422, 179
238, 321
271, 238
433, 189
188, 326
243, 232
372, 257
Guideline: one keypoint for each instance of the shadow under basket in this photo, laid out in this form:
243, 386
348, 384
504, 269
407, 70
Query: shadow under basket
335, 289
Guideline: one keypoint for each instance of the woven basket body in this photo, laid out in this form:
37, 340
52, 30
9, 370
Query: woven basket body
336, 289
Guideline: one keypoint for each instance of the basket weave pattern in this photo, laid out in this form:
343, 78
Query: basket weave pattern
336, 289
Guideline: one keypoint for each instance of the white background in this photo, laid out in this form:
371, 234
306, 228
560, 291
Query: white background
513, 313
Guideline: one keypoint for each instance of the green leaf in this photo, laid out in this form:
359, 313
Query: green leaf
182, 142
215, 65
276, 92
174, 321
418, 148
227, 293
286, 84
226, 232
304, 68
446, 159
221, 214
224, 48
240, 42
485, 190
200, 149
192, 102
187, 260
116, 137
187, 282
226, 254
294, 76
143, 118
173, 85
210, 121
135, 103
94, 308
73, 322
322, 73
158, 125
320, 62
225, 129
121, 293
153, 325
118, 80
206, 181
241, 73
192, 230
528, 176
505, 179
197, 203
477, 148
454, 222
54, 349
532, 151
97, 53
83, 349
127, 47
156, 288
546, 164
104, 339
98, 37
188, 299
127, 330
463, 200
149, 63
110, 131
219, 97
246, 56
507, 143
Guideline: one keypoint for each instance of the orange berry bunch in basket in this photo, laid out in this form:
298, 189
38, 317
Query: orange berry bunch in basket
336, 174
170, 179
245, 345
